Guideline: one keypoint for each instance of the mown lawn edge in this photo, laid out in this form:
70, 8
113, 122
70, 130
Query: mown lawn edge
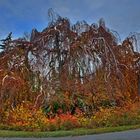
63, 133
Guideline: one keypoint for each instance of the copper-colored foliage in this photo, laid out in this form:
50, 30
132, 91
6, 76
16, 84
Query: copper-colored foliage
81, 60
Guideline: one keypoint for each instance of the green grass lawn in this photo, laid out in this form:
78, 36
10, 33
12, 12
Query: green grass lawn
75, 132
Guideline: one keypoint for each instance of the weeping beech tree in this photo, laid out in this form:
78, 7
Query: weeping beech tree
71, 66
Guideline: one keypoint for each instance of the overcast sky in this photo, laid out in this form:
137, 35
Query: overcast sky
21, 16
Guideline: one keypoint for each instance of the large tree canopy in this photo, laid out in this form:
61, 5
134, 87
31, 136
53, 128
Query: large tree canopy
80, 65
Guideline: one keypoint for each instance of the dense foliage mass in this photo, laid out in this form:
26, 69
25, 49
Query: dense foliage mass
67, 70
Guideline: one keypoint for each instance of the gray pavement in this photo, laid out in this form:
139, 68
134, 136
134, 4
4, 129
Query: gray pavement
125, 135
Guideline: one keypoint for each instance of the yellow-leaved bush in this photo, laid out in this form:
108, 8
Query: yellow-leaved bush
115, 116
25, 118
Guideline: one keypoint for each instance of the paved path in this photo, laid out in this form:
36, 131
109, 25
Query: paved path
125, 135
